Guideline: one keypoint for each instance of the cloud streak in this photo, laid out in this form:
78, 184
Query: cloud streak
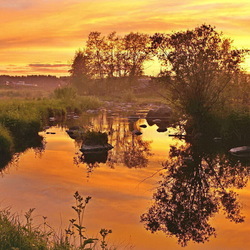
48, 65
51, 30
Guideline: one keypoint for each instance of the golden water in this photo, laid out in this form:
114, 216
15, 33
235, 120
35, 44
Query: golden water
120, 194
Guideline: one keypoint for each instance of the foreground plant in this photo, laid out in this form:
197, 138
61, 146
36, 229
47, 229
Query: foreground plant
14, 234
104, 232
77, 223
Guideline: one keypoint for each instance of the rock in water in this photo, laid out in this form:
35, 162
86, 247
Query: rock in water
161, 130
243, 151
137, 132
95, 148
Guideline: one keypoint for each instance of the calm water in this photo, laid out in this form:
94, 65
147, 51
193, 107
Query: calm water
122, 183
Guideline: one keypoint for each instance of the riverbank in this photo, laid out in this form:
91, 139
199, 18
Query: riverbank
21, 120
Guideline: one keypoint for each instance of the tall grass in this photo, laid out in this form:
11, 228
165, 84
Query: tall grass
15, 235
21, 120
6, 140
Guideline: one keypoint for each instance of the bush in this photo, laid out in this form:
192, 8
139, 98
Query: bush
6, 140
65, 93
128, 96
236, 128
95, 138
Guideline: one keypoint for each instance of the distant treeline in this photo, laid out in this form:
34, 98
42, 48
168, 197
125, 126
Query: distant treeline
48, 82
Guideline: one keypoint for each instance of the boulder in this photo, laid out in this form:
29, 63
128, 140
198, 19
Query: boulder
161, 130
75, 132
95, 148
243, 151
157, 116
137, 132
162, 112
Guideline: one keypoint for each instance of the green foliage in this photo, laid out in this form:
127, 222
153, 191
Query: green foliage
6, 140
87, 102
80, 71
235, 128
21, 120
14, 235
200, 64
110, 56
77, 224
95, 138
65, 93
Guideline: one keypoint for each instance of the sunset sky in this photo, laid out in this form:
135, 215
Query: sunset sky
41, 36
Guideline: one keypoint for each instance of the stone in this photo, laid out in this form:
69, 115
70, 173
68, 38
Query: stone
95, 148
137, 132
161, 130
243, 151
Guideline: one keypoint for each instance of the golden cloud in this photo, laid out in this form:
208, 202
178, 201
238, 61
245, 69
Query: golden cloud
52, 30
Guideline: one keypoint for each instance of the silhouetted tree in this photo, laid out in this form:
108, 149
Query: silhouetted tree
80, 71
137, 51
115, 56
95, 47
199, 64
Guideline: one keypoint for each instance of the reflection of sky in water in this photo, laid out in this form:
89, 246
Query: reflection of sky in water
119, 196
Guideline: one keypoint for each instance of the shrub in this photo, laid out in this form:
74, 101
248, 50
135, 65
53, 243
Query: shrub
6, 140
65, 93
95, 138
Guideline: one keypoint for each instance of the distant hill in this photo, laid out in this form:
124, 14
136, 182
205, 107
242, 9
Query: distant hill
45, 82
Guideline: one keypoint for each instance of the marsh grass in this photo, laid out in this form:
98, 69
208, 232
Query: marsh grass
6, 140
7, 93
21, 120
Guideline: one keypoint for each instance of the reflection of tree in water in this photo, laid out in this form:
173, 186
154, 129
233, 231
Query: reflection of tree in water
36, 142
194, 187
136, 152
129, 149
6, 160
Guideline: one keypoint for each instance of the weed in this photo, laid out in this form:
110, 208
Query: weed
104, 232
17, 235
78, 223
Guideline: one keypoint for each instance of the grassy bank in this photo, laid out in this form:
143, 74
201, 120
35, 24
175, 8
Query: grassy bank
21, 120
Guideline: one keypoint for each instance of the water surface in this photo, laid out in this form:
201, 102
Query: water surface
121, 184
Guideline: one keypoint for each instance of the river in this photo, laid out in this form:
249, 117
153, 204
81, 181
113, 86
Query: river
121, 184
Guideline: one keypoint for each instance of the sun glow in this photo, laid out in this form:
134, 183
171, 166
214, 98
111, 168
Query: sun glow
46, 32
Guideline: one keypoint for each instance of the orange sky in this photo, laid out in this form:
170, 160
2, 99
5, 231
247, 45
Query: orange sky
41, 36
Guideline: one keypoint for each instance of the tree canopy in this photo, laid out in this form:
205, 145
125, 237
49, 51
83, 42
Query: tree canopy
80, 70
199, 64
